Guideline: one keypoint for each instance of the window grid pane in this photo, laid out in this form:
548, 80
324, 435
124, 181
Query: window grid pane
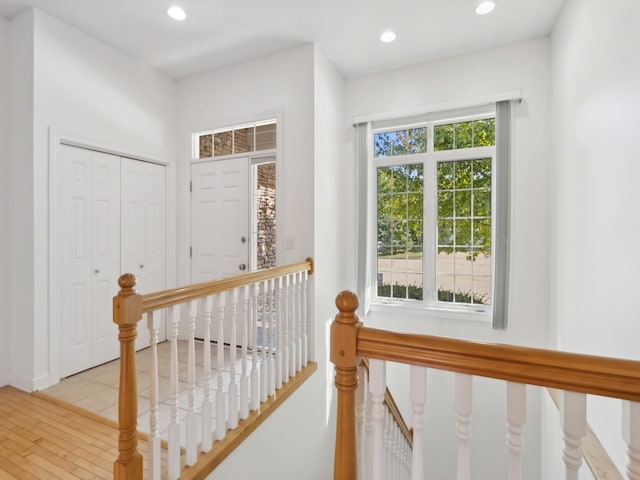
205, 146
400, 231
464, 232
400, 142
223, 143
476, 133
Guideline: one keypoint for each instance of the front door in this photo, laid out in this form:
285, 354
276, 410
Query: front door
219, 220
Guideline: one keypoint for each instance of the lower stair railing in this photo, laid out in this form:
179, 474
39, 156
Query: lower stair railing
264, 319
574, 375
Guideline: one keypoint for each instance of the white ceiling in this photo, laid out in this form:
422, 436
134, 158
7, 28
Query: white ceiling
217, 33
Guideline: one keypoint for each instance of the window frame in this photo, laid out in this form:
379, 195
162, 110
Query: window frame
429, 160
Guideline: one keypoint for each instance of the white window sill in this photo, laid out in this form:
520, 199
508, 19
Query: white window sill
432, 313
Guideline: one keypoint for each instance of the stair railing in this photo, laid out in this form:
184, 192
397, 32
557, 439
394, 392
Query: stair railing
269, 322
576, 375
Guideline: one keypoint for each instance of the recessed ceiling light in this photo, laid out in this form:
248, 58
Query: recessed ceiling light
387, 37
177, 13
485, 7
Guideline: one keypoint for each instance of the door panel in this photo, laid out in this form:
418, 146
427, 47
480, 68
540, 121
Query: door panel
90, 249
144, 232
106, 254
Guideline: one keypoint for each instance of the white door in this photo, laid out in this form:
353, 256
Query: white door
143, 245
219, 221
90, 250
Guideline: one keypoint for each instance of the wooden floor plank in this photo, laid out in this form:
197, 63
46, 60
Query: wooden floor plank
4, 475
44, 440
39, 440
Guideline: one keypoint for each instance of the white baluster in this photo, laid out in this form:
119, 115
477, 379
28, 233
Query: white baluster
463, 400
264, 334
573, 418
279, 323
232, 298
173, 451
298, 322
271, 329
368, 461
361, 390
286, 317
206, 305
221, 414
516, 418
191, 453
388, 445
417, 394
255, 381
304, 319
631, 435
154, 431
244, 338
377, 385
293, 353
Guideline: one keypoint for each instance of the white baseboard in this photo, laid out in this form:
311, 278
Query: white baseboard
41, 382
29, 384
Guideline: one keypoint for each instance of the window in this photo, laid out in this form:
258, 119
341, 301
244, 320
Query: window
434, 204
254, 137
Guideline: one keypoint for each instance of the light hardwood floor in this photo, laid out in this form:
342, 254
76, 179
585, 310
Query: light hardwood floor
42, 440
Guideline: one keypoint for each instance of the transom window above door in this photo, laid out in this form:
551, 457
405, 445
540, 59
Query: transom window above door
245, 138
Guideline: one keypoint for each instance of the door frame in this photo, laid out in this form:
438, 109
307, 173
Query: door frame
57, 138
183, 225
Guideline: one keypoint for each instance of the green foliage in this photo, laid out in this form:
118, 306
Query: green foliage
400, 200
400, 142
411, 292
478, 133
464, 207
415, 292
461, 297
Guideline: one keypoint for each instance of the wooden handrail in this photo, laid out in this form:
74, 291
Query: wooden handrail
609, 377
391, 404
589, 374
175, 296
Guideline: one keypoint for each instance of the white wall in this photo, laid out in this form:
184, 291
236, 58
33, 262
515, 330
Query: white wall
329, 189
91, 92
21, 226
282, 83
595, 222
522, 66
5, 183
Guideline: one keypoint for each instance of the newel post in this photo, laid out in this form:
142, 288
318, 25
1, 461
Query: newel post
343, 354
127, 310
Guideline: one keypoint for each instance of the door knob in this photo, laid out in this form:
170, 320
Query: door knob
243, 239
242, 267
96, 271
142, 265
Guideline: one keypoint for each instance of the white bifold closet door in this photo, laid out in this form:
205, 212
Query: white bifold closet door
113, 222
91, 257
144, 242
